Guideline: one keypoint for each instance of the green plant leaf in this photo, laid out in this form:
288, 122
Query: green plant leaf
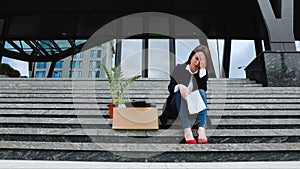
117, 84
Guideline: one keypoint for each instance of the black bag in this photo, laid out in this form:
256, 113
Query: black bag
167, 113
138, 104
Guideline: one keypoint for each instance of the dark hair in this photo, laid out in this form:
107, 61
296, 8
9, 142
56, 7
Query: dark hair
200, 48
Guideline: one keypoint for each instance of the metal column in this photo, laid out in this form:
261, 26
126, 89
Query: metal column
278, 16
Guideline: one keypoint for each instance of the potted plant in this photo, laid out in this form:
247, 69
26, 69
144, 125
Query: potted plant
117, 85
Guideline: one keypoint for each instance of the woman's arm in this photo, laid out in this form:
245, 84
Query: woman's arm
201, 81
172, 85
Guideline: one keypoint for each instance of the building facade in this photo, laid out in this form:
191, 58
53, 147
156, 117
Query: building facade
86, 64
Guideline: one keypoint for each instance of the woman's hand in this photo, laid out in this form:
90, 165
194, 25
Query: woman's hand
183, 91
202, 60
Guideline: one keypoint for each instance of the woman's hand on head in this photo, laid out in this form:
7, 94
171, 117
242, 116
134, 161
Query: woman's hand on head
202, 60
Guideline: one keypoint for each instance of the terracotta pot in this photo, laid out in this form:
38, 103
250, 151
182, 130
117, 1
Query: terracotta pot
111, 109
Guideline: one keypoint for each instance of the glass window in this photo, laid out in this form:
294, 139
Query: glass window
9, 47
297, 43
21, 44
183, 48
63, 44
131, 57
59, 64
242, 53
57, 74
78, 55
93, 74
41, 65
80, 41
95, 53
94, 64
76, 64
216, 47
40, 74
159, 62
76, 74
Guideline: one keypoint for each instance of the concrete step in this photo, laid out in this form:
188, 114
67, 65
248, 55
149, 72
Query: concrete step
42, 164
104, 121
82, 112
222, 106
154, 100
147, 133
142, 96
220, 91
56, 154
71, 80
154, 148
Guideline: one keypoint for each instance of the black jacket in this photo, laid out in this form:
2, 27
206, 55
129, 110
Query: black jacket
180, 76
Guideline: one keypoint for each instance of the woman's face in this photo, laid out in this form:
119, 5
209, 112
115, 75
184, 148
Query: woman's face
198, 61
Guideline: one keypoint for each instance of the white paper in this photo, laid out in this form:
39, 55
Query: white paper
195, 102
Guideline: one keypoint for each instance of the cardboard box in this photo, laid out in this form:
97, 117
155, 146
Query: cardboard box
135, 118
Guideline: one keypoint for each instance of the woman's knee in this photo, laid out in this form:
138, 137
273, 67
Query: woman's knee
177, 96
176, 99
202, 93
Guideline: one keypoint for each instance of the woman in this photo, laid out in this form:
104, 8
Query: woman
186, 78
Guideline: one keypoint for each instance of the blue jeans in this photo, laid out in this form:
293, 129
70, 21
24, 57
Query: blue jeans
179, 103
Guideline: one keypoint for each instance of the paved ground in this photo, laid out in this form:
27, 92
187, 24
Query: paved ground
20, 164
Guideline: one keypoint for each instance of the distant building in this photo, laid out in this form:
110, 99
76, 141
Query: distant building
86, 64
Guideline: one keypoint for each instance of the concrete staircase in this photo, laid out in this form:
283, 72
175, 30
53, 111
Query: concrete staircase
67, 119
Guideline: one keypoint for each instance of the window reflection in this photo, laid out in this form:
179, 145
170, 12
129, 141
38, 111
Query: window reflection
297, 43
78, 55
94, 64
76, 74
131, 57
76, 64
58, 64
41, 65
57, 74
40, 74
216, 47
159, 62
95, 53
94, 74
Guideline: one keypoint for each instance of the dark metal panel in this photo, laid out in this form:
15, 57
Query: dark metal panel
1, 50
280, 30
145, 58
1, 26
226, 57
258, 46
23, 25
172, 56
118, 52
31, 68
51, 69
80, 19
